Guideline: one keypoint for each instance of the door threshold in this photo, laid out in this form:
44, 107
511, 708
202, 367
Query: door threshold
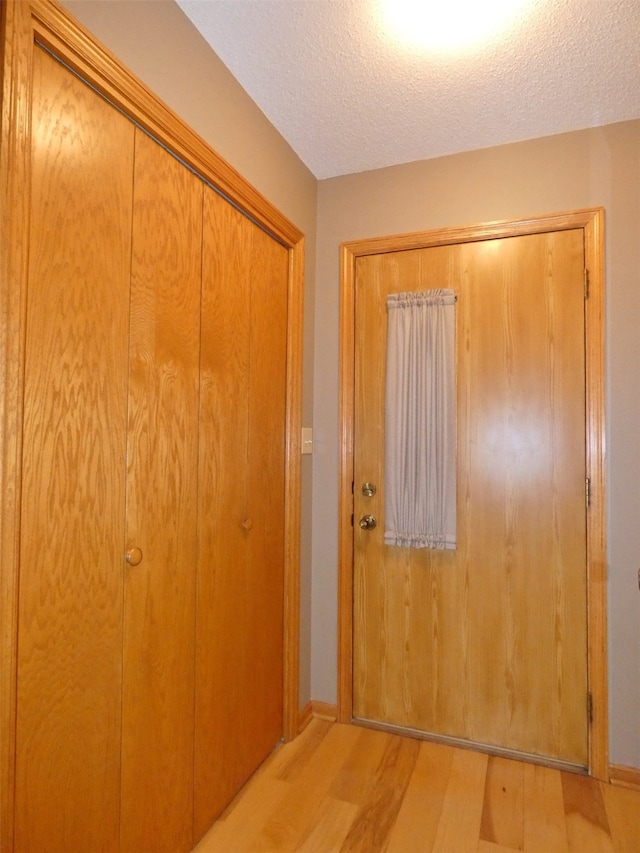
476, 746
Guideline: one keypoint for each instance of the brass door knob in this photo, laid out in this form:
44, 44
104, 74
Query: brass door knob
368, 522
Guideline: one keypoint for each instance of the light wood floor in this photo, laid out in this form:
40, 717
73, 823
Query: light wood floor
345, 788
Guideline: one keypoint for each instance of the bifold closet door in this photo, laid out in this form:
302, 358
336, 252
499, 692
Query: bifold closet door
73, 475
161, 505
152, 528
239, 646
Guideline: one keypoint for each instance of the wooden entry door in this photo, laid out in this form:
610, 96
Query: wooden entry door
487, 643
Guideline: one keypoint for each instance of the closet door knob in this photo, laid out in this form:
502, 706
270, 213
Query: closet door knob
247, 523
133, 556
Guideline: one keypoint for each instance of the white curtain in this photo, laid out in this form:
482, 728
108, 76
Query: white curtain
420, 420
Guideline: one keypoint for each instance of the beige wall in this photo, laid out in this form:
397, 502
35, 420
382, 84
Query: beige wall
157, 42
586, 169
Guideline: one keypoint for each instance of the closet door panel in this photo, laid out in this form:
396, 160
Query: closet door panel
223, 642
157, 748
266, 472
241, 517
74, 438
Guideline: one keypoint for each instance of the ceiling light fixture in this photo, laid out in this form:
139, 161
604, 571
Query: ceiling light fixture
449, 25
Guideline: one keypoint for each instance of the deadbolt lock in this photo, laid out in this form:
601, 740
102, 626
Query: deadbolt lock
368, 490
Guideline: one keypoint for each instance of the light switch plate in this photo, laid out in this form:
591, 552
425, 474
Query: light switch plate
307, 440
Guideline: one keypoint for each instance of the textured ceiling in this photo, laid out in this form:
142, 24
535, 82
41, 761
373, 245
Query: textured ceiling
348, 98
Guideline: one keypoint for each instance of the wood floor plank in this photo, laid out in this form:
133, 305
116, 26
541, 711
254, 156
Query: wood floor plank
459, 825
267, 769
375, 818
357, 774
545, 828
276, 766
503, 807
283, 764
585, 814
334, 820
492, 847
298, 813
236, 832
417, 821
399, 795
623, 812
293, 761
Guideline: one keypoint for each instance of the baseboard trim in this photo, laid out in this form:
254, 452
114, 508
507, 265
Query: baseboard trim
316, 711
324, 711
304, 718
625, 777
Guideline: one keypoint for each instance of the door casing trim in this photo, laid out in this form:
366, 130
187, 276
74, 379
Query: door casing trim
591, 221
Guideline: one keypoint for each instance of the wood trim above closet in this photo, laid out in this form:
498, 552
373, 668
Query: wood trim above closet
56, 30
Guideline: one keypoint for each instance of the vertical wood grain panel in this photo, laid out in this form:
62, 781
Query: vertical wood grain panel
15, 144
411, 663
292, 713
70, 608
157, 749
488, 642
370, 605
597, 528
239, 712
223, 569
266, 493
527, 516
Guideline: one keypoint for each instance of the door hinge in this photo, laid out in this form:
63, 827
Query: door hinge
352, 519
587, 492
590, 707
586, 284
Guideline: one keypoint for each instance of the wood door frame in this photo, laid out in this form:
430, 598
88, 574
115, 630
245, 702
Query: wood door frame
592, 222
22, 24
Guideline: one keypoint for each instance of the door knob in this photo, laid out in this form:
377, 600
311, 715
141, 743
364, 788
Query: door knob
368, 522
133, 556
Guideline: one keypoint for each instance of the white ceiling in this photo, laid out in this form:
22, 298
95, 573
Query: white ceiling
348, 99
